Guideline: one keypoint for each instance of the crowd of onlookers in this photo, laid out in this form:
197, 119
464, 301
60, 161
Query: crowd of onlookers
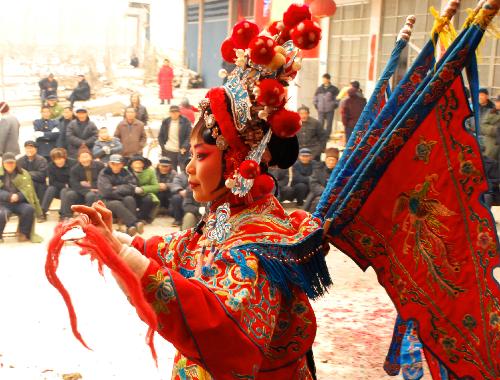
70, 158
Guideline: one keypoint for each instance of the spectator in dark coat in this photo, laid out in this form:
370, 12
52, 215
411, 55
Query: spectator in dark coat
325, 102
350, 109
183, 207
141, 113
67, 117
106, 145
117, 188
321, 174
131, 133
9, 131
282, 178
58, 173
83, 181
15, 192
174, 137
46, 133
301, 175
485, 104
81, 92
165, 175
492, 171
311, 135
489, 131
36, 166
48, 86
81, 131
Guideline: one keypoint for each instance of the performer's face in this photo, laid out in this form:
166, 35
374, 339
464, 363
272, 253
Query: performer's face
205, 171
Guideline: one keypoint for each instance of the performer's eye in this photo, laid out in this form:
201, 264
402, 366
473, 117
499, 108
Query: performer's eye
201, 156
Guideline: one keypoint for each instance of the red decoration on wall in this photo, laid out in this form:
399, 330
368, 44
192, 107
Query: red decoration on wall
323, 8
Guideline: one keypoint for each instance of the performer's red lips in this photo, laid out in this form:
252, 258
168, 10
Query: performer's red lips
193, 185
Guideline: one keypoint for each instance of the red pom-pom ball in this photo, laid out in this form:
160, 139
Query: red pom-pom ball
249, 169
262, 50
271, 93
285, 123
306, 35
295, 14
243, 32
227, 51
262, 185
275, 28
284, 36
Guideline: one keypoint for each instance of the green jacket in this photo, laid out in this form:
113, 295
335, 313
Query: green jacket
149, 183
25, 185
490, 128
56, 111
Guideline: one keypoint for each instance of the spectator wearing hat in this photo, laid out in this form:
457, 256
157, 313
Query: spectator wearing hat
67, 117
106, 145
319, 178
117, 188
311, 135
301, 175
147, 188
325, 102
83, 181
183, 207
174, 137
81, 131
165, 175
141, 113
36, 166
485, 103
490, 131
55, 109
131, 133
187, 110
46, 133
9, 131
81, 92
18, 197
48, 87
350, 109
58, 173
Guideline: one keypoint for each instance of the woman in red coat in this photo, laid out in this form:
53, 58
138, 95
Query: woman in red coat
165, 78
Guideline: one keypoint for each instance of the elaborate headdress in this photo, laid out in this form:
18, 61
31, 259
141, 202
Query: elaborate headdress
246, 116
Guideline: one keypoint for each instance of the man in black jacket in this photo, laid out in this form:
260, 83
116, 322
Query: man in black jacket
301, 175
83, 181
165, 175
174, 137
117, 188
183, 206
325, 102
311, 135
58, 173
37, 166
81, 92
48, 86
321, 174
67, 117
46, 133
80, 131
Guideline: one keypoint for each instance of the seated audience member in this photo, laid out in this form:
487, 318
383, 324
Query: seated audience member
106, 145
81, 131
301, 175
489, 131
117, 188
183, 207
58, 173
83, 181
146, 189
46, 133
81, 92
18, 197
132, 134
141, 113
282, 178
67, 117
492, 171
56, 110
321, 174
48, 87
36, 166
165, 175
9, 131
